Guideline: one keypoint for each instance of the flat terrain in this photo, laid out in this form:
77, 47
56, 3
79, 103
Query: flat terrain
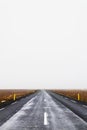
80, 95
40, 111
9, 94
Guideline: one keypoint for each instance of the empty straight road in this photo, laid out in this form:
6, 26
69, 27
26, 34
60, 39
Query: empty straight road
43, 112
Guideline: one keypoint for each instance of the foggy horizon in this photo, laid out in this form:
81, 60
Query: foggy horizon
43, 44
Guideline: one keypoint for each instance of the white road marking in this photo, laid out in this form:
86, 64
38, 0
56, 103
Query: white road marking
13, 103
66, 98
32, 99
29, 103
73, 101
15, 118
45, 118
84, 106
44, 100
27, 106
2, 109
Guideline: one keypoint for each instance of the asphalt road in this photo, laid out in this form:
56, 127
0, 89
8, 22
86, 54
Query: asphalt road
9, 110
77, 107
42, 112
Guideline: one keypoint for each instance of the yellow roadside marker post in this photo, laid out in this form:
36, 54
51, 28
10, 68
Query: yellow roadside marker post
14, 97
78, 96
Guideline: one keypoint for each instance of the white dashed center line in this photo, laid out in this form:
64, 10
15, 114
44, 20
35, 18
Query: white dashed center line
44, 100
45, 118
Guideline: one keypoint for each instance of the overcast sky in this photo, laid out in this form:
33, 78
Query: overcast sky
43, 44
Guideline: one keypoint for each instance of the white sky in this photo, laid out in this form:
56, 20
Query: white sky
43, 44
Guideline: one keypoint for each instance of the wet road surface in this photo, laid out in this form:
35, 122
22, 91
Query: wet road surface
42, 112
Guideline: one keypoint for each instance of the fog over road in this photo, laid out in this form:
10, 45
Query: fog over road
43, 112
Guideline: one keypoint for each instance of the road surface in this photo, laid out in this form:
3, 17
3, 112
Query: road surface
43, 112
77, 107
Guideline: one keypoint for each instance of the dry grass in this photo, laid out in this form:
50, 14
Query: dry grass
74, 94
9, 94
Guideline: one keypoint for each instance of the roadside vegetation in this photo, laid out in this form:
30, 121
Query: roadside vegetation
80, 95
11, 95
